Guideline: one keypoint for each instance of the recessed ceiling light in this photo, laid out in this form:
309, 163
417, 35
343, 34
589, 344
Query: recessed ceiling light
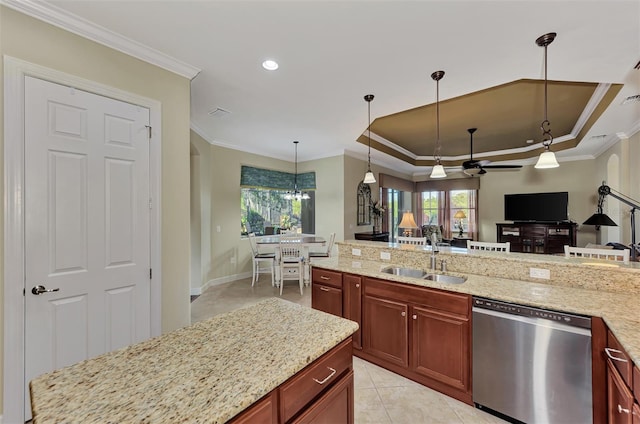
270, 65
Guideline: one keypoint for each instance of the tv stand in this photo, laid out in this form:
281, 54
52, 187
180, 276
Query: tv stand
538, 237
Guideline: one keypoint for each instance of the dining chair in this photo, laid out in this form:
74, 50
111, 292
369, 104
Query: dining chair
489, 247
259, 258
291, 261
325, 253
610, 254
421, 241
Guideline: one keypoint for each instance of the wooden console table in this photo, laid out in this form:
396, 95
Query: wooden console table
373, 236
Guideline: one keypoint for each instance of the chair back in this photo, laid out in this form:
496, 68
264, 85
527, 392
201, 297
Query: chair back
252, 243
412, 240
489, 247
290, 248
609, 254
332, 239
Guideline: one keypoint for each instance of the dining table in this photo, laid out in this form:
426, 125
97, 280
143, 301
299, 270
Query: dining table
305, 241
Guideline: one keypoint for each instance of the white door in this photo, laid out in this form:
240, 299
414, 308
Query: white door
86, 226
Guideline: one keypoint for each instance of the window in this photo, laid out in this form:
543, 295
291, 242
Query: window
263, 207
440, 208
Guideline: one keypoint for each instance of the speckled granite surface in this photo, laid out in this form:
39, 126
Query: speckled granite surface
613, 295
207, 372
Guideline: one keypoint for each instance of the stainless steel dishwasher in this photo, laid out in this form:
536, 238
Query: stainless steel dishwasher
531, 365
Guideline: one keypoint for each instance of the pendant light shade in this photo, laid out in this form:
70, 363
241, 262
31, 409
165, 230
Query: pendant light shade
369, 178
296, 194
438, 169
547, 158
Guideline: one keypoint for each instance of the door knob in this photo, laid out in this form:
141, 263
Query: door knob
42, 289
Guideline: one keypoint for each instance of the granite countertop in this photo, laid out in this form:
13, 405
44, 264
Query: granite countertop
207, 372
620, 311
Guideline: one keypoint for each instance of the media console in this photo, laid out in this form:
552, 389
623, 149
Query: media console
538, 237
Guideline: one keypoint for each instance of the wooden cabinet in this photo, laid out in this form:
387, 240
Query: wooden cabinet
320, 393
537, 237
326, 291
623, 382
352, 304
423, 334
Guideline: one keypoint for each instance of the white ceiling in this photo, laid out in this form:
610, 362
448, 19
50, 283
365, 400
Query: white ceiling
332, 53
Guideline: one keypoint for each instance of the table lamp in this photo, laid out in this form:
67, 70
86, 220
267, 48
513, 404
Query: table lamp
460, 216
408, 223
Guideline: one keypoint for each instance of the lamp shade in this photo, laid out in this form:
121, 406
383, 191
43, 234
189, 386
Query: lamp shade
407, 221
438, 172
600, 219
369, 178
547, 160
460, 215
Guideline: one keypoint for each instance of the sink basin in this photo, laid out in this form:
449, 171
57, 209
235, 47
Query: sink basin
404, 272
449, 279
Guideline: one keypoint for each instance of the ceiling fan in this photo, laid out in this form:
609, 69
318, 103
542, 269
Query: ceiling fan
477, 167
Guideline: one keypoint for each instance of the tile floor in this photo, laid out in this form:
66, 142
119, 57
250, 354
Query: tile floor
380, 395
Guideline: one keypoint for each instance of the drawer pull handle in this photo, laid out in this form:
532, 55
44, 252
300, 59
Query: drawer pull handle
324, 289
608, 351
621, 409
333, 372
322, 277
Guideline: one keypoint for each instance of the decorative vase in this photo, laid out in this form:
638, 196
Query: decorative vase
376, 224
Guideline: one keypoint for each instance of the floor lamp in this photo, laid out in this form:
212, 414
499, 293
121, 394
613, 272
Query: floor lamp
600, 218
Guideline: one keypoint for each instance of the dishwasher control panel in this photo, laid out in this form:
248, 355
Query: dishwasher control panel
532, 312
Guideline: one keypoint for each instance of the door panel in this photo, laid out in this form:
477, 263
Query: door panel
86, 226
385, 332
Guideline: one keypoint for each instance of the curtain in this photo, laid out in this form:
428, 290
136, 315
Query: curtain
268, 179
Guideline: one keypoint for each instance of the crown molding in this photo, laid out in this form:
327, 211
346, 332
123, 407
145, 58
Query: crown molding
69, 22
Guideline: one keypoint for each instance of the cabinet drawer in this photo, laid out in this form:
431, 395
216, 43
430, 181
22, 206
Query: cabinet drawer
455, 303
262, 412
326, 298
328, 278
301, 389
622, 361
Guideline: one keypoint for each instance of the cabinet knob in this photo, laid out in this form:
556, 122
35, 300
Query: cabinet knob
357, 285
403, 313
415, 316
622, 410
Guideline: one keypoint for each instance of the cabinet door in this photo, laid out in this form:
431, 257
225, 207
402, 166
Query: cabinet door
636, 413
619, 398
352, 304
440, 347
385, 332
335, 406
326, 298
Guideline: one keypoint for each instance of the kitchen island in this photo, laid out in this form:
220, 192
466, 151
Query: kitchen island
208, 372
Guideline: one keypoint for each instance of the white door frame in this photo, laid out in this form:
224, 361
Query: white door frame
15, 71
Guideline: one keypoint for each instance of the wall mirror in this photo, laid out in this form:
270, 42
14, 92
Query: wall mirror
364, 203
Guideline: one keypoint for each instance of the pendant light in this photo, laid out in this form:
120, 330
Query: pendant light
369, 178
438, 169
547, 158
296, 194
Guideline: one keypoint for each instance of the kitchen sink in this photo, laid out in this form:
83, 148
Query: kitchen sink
418, 273
404, 272
448, 279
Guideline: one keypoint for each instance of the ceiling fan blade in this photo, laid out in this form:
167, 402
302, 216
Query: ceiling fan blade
502, 166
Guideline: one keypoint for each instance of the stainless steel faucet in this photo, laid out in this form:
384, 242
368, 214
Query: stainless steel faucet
434, 251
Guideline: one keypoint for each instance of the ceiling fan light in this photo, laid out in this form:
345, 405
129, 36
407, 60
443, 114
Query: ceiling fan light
369, 178
438, 171
547, 160
473, 171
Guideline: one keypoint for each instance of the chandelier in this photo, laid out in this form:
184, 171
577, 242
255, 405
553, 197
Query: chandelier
296, 194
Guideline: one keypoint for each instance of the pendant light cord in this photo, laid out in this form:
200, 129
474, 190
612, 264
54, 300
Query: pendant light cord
437, 76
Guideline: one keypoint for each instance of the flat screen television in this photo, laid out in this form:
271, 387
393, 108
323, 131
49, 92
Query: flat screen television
539, 207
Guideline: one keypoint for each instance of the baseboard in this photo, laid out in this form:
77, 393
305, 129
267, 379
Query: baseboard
226, 279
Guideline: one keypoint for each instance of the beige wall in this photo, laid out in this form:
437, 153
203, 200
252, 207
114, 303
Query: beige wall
30, 40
